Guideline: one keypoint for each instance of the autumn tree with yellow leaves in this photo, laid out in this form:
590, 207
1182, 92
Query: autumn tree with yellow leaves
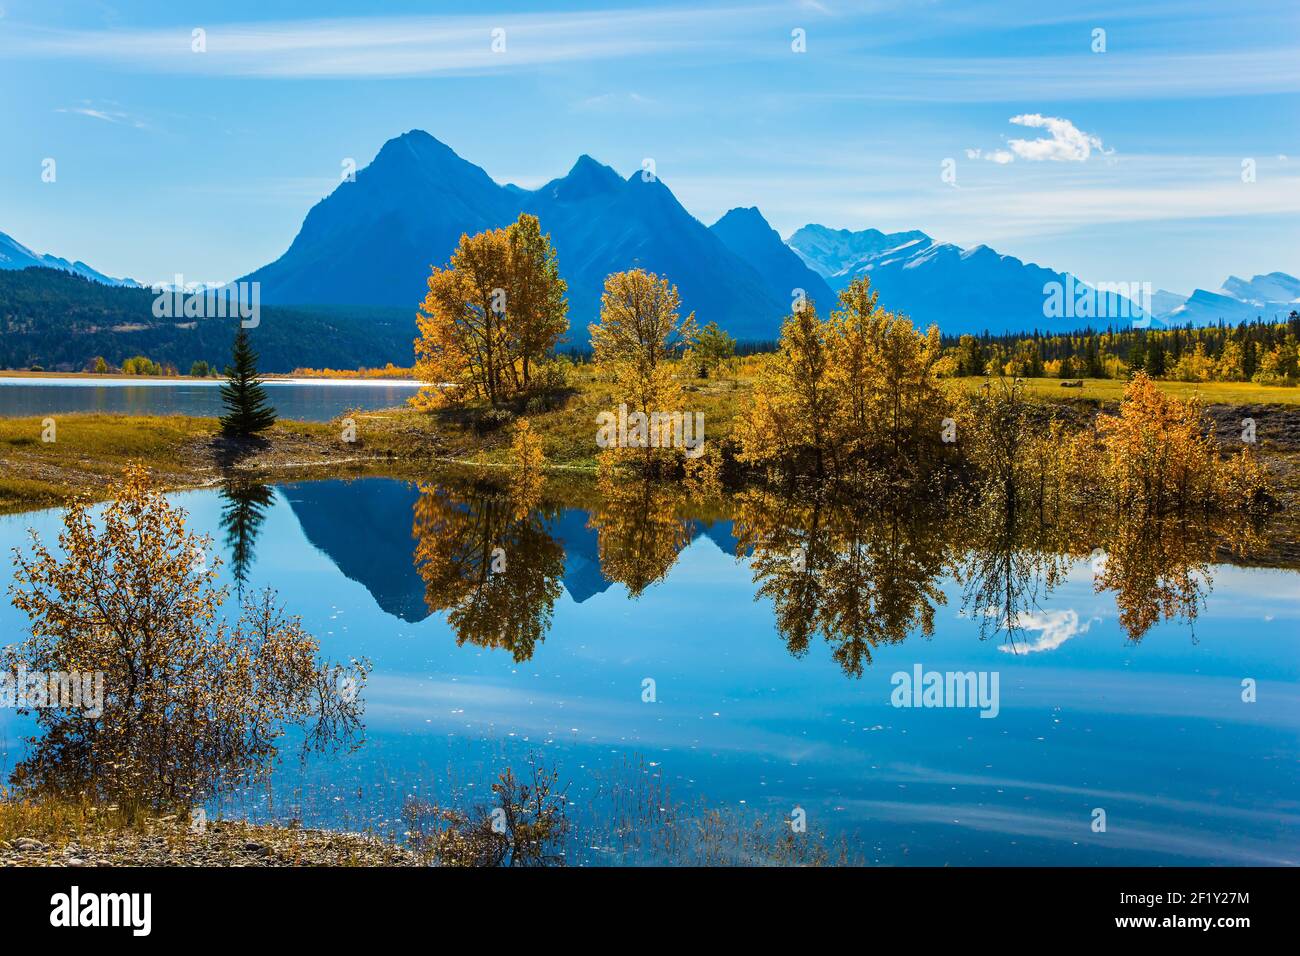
191, 703
639, 333
1158, 456
792, 418
491, 316
858, 389
883, 374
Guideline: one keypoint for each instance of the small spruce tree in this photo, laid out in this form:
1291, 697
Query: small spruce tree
247, 408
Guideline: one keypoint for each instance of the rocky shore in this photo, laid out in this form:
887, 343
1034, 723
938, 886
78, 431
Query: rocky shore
169, 841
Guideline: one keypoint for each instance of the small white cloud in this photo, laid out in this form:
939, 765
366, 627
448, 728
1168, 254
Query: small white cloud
1065, 143
1054, 629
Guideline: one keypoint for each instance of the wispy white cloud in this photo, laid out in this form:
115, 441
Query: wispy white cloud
1037, 211
395, 46
104, 113
999, 156
1002, 79
398, 46
608, 102
1039, 200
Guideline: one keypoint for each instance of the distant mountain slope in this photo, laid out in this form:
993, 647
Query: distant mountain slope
373, 240
835, 253
966, 290
978, 289
1210, 308
1274, 287
1163, 302
14, 255
366, 250
960, 290
60, 321
746, 233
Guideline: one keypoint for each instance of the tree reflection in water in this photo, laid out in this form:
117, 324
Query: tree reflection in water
639, 529
857, 570
244, 508
1158, 568
859, 574
488, 561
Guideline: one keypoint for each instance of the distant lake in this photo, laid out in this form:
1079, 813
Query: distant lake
772, 680
314, 400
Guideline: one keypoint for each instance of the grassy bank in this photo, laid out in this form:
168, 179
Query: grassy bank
190, 452
1111, 390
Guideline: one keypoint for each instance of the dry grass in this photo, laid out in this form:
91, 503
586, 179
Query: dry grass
59, 822
1112, 390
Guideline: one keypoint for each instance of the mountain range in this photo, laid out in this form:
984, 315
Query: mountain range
372, 241
14, 255
977, 289
1237, 300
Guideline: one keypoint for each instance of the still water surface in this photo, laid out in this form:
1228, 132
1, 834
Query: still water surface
750, 716
315, 400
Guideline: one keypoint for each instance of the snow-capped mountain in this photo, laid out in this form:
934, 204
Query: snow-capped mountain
14, 255
1271, 297
960, 290
978, 289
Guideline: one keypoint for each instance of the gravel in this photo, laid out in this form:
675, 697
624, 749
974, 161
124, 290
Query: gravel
170, 842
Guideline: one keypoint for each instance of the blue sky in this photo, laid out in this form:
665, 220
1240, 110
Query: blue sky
1122, 165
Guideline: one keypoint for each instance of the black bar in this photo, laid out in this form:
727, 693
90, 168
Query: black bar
568, 905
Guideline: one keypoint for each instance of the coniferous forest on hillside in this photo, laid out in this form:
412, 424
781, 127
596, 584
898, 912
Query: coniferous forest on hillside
61, 322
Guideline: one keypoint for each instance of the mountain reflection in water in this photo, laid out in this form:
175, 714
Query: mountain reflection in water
770, 627
854, 573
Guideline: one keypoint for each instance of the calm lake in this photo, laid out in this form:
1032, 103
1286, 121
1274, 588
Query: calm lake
315, 400
763, 704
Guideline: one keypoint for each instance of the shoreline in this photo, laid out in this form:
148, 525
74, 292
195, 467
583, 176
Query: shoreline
172, 841
187, 452
56, 379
